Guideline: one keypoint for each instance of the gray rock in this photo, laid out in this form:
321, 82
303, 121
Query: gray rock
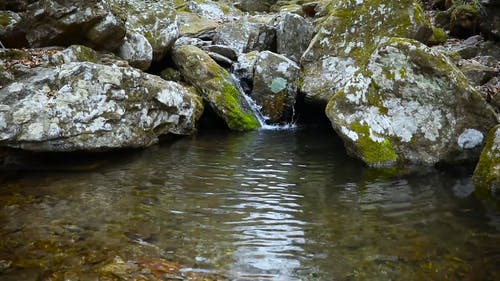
410, 105
220, 59
238, 34
93, 107
155, 20
244, 67
222, 50
293, 35
48, 23
137, 50
263, 39
275, 86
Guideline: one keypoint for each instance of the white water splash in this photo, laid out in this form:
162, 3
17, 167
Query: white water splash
258, 114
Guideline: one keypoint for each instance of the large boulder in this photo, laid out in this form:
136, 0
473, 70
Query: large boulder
137, 50
348, 36
410, 105
275, 86
154, 20
216, 86
487, 172
65, 22
86, 106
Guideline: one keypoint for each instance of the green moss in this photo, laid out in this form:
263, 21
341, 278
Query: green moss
84, 53
438, 36
236, 119
4, 18
487, 169
373, 153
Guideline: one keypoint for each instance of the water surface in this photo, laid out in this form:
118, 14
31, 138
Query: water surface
265, 205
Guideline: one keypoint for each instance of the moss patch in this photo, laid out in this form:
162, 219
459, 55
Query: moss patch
373, 153
487, 171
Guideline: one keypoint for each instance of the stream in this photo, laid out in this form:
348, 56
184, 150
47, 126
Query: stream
264, 205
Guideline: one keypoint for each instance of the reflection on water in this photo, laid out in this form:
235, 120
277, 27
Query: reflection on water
267, 205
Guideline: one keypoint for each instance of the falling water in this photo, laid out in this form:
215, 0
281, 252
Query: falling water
256, 109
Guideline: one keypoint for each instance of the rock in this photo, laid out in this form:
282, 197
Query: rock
275, 86
348, 36
49, 23
214, 10
477, 73
410, 105
10, 32
17, 63
92, 107
155, 20
487, 173
255, 5
490, 19
222, 50
263, 39
238, 34
244, 68
220, 59
137, 50
191, 23
293, 35
216, 86
464, 18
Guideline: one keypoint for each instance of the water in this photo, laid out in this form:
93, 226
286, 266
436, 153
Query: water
265, 205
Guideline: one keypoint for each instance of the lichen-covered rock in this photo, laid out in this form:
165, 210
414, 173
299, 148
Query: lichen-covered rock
191, 23
92, 107
67, 22
212, 9
237, 35
17, 63
155, 20
348, 36
137, 50
293, 35
275, 86
216, 86
410, 105
487, 172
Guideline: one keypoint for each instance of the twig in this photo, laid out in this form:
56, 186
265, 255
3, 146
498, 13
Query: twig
1, 45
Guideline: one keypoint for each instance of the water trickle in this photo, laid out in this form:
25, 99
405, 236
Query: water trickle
256, 109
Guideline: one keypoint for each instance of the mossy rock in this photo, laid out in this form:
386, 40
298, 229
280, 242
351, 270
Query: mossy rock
487, 173
410, 105
216, 86
349, 34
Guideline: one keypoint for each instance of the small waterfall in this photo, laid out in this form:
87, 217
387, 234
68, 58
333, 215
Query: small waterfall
256, 110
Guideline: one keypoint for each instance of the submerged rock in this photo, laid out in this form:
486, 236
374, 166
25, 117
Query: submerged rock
348, 36
487, 172
275, 86
216, 86
92, 107
410, 105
